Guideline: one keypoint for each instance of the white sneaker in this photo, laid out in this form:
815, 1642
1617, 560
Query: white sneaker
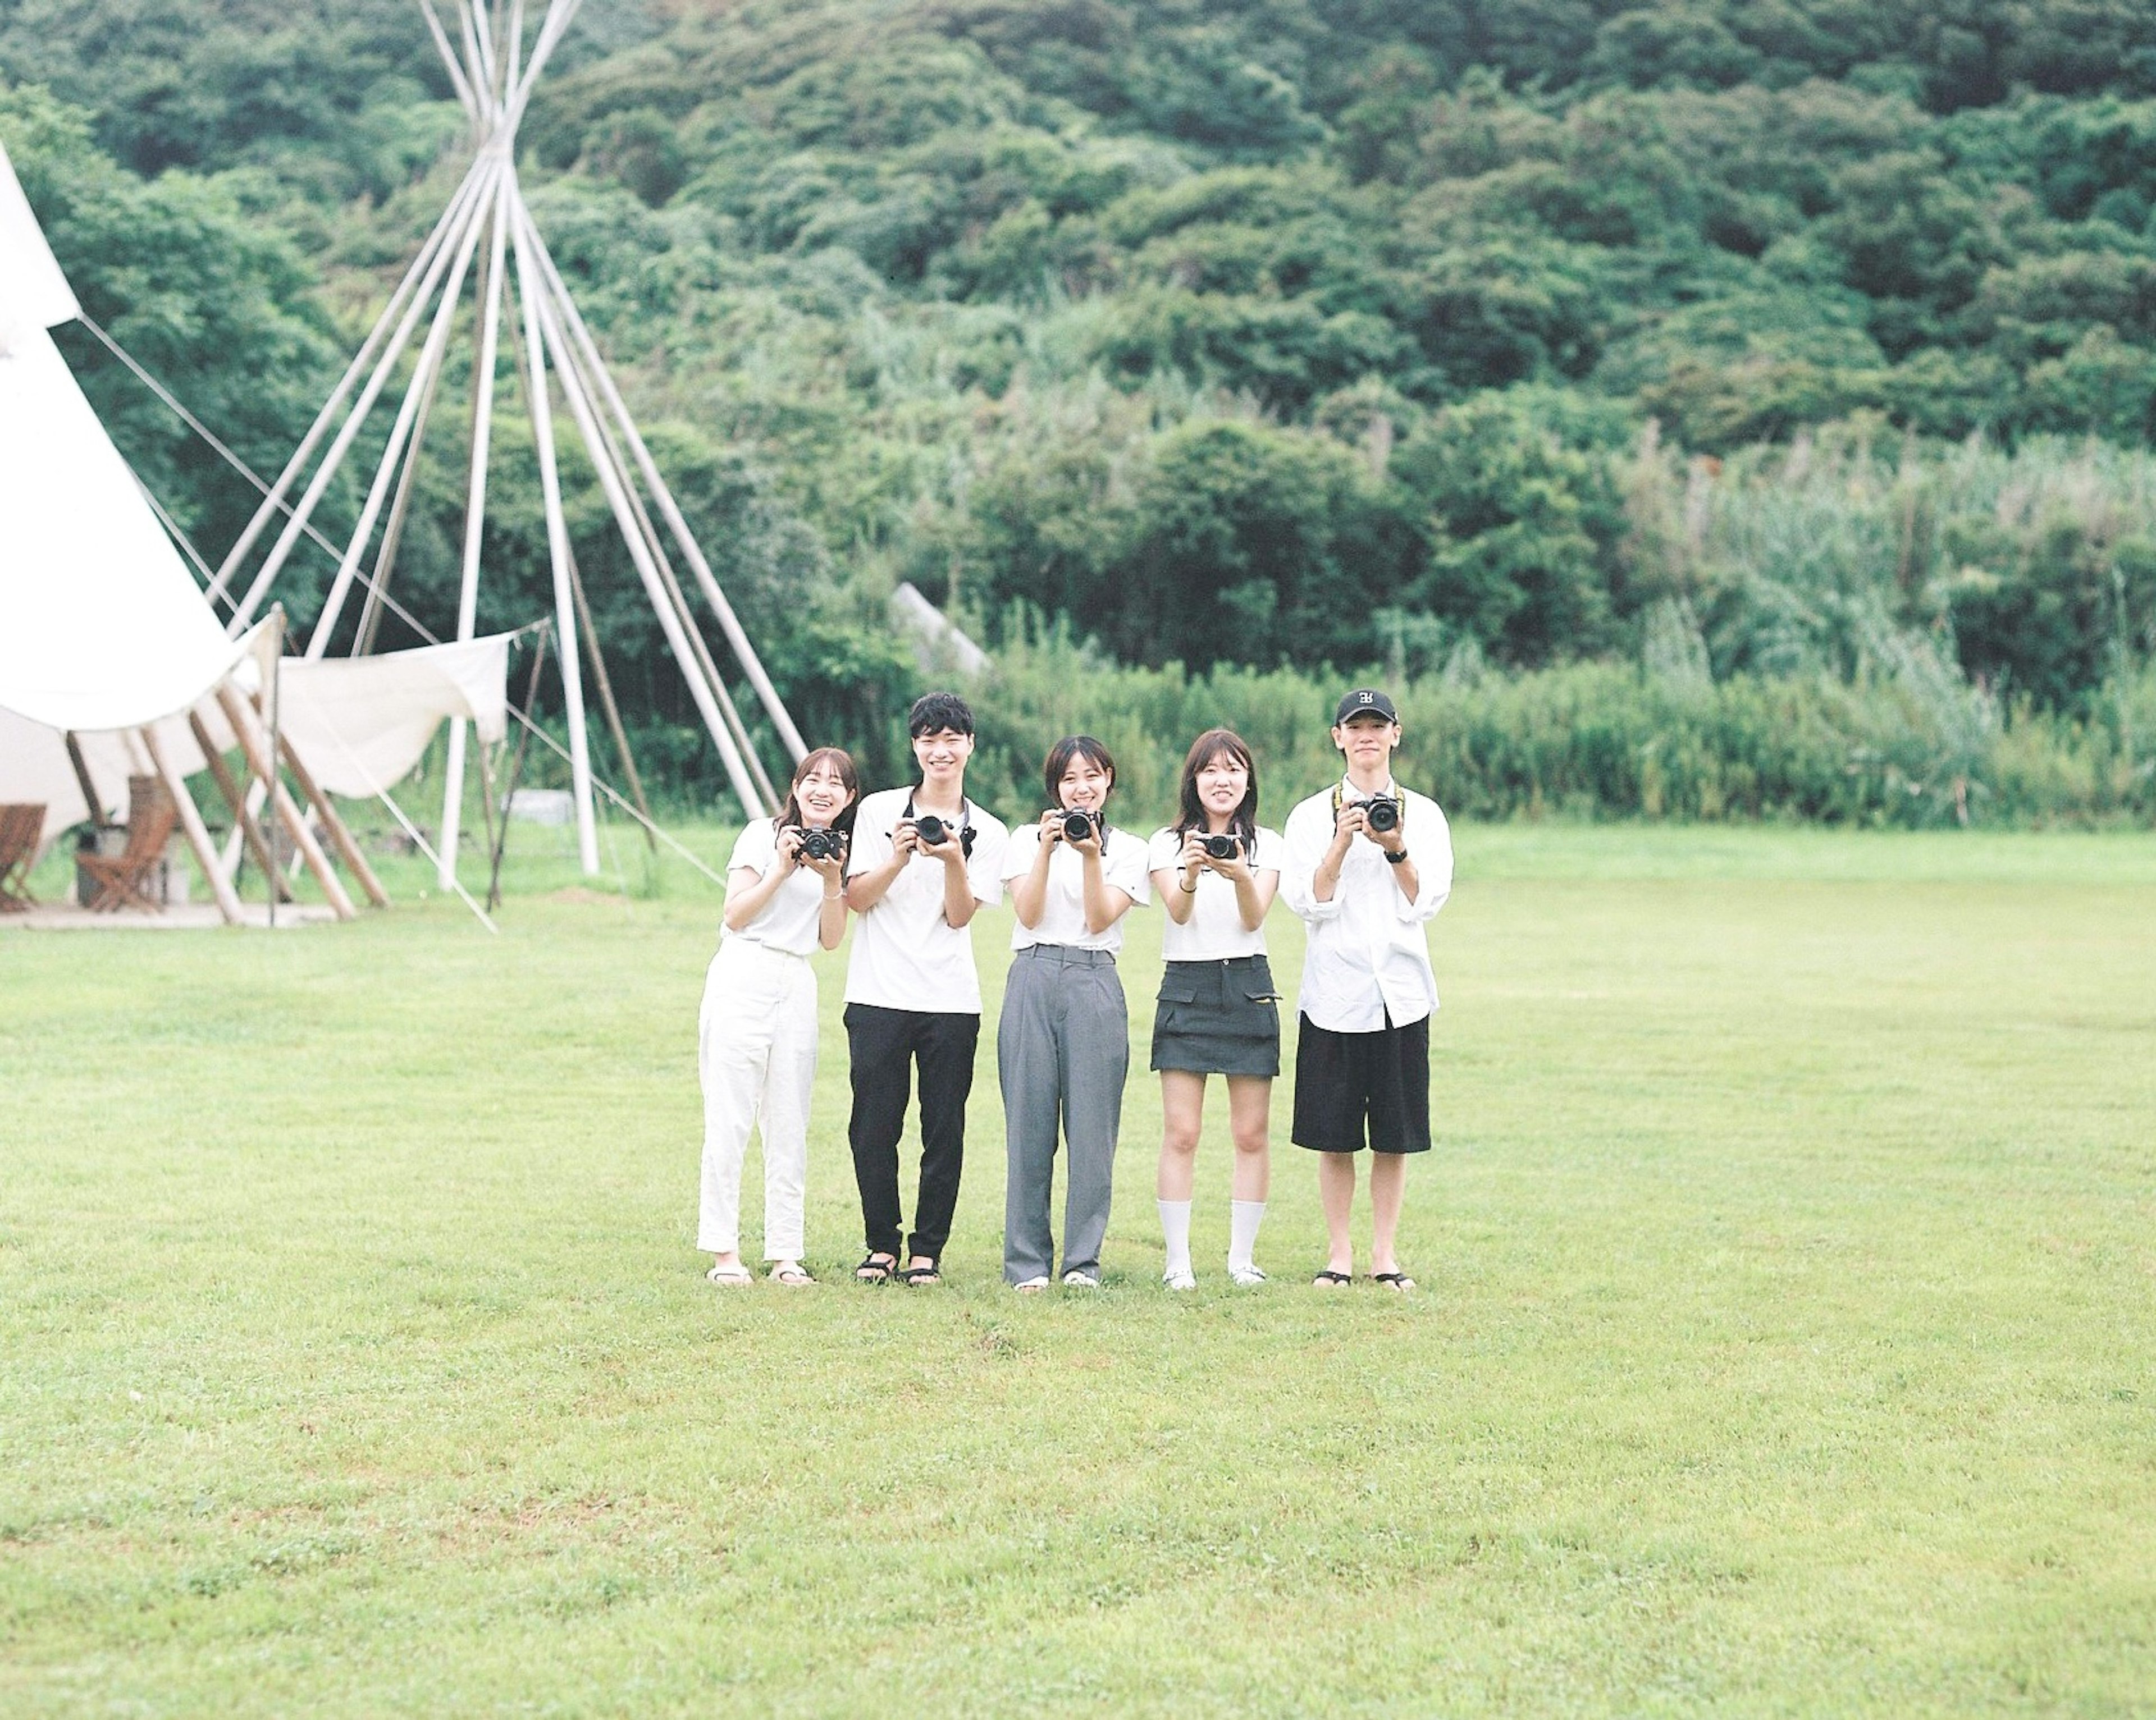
1247, 1275
1030, 1284
1183, 1280
1078, 1279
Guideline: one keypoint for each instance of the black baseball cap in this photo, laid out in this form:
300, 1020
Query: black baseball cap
1365, 701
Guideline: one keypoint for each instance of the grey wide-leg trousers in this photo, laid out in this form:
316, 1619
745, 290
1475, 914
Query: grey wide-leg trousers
1063, 1047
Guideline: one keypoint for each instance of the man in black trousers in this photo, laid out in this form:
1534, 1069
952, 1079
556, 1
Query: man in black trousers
924, 858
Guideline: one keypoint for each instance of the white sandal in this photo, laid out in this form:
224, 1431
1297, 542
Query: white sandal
732, 1277
1179, 1281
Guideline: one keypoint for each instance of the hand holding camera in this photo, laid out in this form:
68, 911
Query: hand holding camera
821, 848
1074, 825
937, 837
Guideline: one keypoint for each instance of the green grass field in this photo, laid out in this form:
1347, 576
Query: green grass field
1789, 1268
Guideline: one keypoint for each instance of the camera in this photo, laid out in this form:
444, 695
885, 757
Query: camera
820, 845
1381, 813
932, 831
1223, 846
1078, 823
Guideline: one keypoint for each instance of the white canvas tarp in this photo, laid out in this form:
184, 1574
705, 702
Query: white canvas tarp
360, 723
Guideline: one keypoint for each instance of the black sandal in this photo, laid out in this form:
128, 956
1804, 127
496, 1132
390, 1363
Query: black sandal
876, 1269
1393, 1281
915, 1277
1330, 1276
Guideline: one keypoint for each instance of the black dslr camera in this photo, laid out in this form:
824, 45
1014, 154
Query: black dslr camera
822, 845
1382, 813
1078, 823
932, 831
1224, 846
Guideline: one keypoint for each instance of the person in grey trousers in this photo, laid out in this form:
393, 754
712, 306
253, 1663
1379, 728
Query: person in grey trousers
1063, 1045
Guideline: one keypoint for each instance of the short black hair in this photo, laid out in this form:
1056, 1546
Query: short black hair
934, 712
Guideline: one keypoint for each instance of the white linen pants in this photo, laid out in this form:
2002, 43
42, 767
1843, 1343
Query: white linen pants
755, 1053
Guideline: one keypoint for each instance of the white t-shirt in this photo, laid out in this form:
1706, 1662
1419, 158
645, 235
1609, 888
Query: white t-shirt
906, 954
789, 920
1063, 913
1216, 931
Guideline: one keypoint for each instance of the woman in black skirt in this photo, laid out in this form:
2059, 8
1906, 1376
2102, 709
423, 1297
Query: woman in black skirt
1215, 872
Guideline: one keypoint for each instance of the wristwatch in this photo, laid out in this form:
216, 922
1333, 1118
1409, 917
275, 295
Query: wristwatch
1394, 859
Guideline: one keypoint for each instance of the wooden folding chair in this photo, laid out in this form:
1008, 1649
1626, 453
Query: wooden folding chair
123, 879
20, 828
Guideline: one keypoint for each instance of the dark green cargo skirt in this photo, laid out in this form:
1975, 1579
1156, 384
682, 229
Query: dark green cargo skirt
1218, 1018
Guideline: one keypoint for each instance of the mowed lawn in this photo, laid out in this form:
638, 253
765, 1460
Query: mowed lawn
1784, 1346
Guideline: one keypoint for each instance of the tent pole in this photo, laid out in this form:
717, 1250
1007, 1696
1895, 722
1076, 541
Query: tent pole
542, 407
461, 84
610, 481
706, 581
191, 821
82, 778
340, 836
274, 498
483, 176
769, 802
250, 831
416, 391
606, 704
490, 346
243, 717
560, 13
393, 534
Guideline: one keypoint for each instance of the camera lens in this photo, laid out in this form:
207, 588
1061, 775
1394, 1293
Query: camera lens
1222, 847
1383, 815
933, 830
1077, 825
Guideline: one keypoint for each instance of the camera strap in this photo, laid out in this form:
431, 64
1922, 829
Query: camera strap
965, 821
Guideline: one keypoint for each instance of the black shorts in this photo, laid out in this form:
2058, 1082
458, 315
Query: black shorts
1345, 1081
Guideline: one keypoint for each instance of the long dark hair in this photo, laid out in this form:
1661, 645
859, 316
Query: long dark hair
840, 761
1206, 747
1059, 757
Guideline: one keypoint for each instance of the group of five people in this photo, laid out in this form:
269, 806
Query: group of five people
1364, 865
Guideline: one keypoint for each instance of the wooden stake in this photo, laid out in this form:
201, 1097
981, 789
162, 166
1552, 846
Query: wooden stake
251, 832
191, 821
340, 836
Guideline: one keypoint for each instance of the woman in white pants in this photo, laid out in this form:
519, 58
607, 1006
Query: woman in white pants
756, 1033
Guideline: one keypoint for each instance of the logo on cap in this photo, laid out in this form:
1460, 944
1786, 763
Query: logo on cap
1366, 698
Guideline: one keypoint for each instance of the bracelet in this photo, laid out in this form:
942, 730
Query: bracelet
1189, 889
834, 895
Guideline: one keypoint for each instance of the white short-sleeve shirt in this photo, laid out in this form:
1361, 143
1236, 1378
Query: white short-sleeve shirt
790, 920
906, 954
1063, 914
1216, 931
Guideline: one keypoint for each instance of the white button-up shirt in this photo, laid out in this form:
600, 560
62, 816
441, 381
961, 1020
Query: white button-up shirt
1368, 956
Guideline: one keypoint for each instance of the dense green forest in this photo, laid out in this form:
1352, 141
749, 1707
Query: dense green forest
1775, 350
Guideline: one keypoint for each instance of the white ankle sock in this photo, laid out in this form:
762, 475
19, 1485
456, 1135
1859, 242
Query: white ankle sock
1243, 1217
1175, 1226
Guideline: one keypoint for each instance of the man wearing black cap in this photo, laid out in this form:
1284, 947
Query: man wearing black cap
1368, 864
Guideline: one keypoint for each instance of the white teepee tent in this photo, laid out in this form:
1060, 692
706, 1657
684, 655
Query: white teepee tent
494, 67
112, 664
